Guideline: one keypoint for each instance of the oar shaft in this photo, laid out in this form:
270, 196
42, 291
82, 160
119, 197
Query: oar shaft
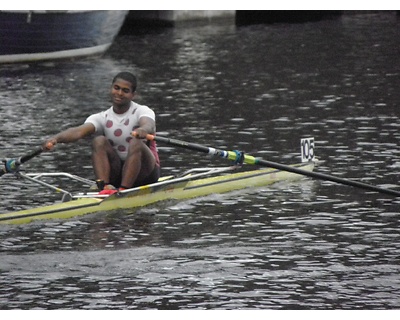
327, 177
257, 161
29, 156
11, 165
190, 146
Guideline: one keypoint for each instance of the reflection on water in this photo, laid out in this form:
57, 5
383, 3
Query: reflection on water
305, 245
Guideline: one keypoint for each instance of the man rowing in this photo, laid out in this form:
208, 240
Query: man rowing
120, 161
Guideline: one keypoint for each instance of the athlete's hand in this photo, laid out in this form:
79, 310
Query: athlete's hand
49, 144
139, 133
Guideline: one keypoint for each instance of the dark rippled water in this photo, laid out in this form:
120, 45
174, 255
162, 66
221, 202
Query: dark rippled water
305, 245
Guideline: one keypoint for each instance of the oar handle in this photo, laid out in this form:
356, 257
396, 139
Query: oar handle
148, 137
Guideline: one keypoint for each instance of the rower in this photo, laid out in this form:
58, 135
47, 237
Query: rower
120, 161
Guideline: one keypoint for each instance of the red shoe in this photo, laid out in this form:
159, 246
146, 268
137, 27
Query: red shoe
108, 189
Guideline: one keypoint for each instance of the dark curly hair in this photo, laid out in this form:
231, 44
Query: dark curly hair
127, 76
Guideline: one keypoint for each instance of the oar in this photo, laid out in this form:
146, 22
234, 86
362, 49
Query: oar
11, 165
234, 155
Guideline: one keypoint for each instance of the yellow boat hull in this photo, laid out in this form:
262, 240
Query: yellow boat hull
150, 194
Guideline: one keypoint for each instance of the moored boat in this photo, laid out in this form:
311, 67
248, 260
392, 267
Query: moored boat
37, 35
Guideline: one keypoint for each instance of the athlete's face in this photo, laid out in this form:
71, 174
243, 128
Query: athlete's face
121, 93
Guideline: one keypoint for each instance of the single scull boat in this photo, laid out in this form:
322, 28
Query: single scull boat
194, 183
